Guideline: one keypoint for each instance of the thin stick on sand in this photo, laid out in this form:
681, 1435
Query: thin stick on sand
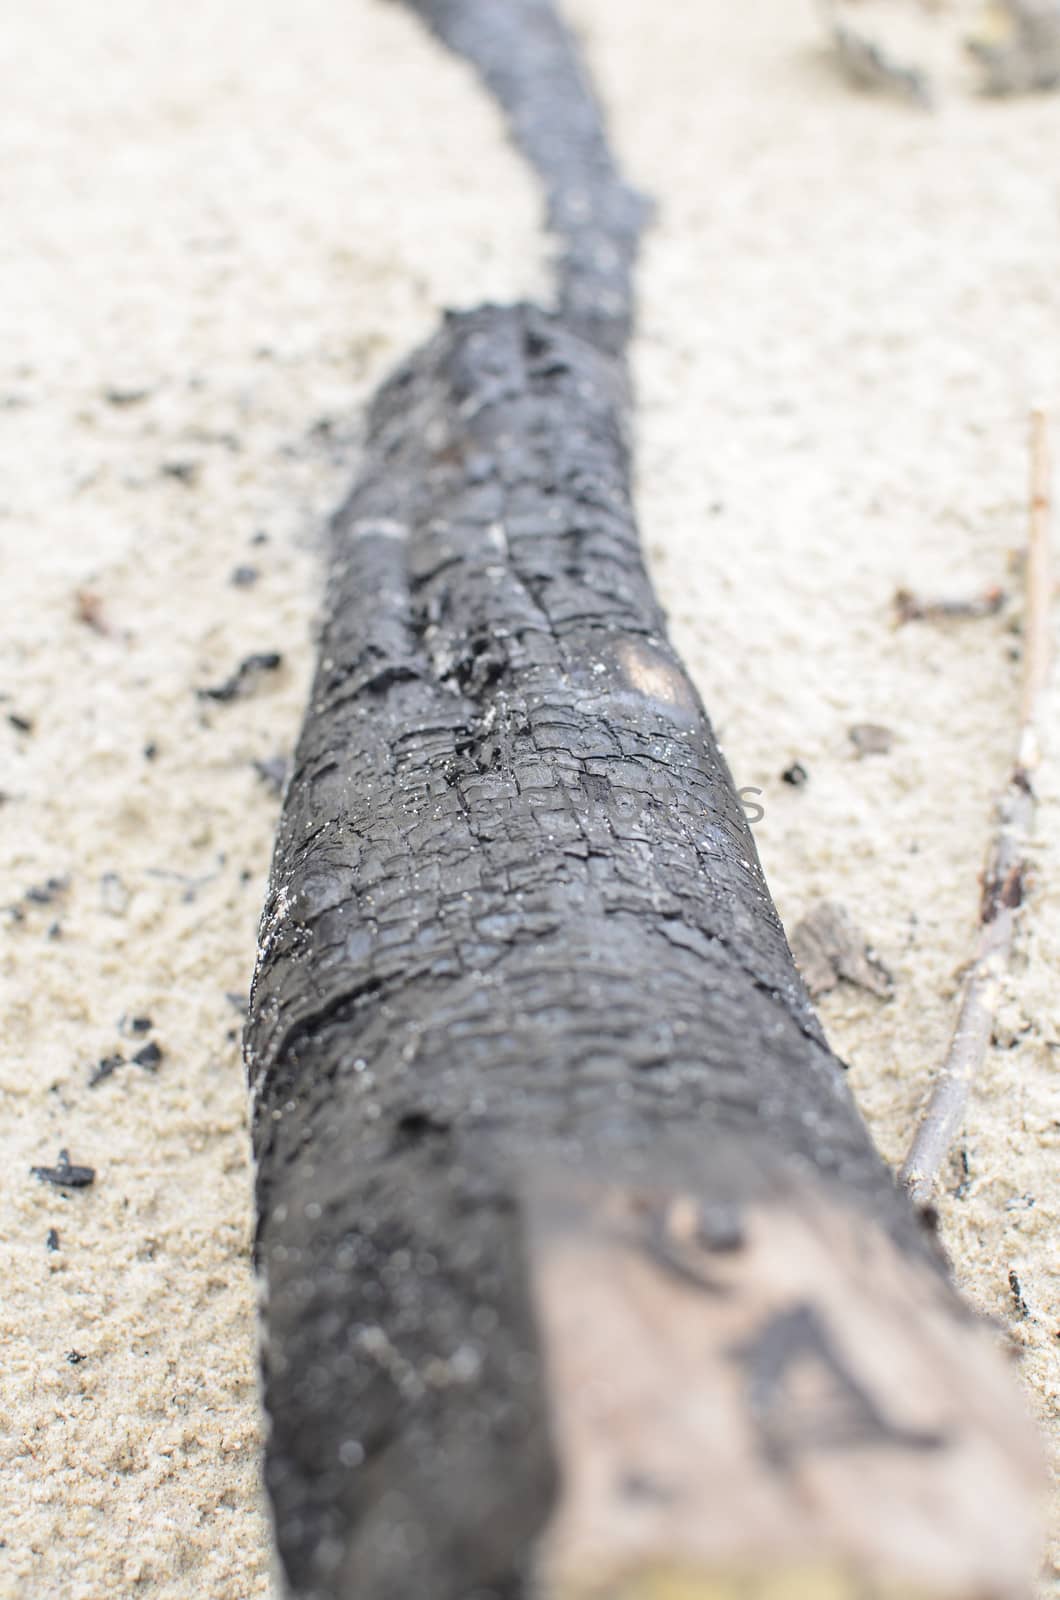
1006, 864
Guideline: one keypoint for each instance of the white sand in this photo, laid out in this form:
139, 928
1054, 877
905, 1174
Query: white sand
249, 214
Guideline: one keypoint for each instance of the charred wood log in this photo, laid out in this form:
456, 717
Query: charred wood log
583, 1276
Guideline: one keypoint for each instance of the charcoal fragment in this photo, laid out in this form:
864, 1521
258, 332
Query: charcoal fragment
65, 1174
242, 680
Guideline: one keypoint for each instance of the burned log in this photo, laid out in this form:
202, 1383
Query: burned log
582, 1275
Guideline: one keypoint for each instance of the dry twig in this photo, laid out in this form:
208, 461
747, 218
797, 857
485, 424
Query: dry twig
911, 607
1006, 864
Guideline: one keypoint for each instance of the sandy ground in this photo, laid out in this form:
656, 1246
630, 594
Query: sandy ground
220, 228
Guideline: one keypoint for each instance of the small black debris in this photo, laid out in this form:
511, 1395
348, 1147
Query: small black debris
417, 1123
22, 724
243, 677
42, 894
185, 472
150, 751
51, 1241
55, 931
149, 1056
105, 1069
244, 577
273, 773
65, 1175
963, 1187
1016, 1291
260, 537
74, 1357
796, 775
140, 1025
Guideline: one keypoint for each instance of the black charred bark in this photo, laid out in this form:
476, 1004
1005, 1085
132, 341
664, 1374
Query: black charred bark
516, 920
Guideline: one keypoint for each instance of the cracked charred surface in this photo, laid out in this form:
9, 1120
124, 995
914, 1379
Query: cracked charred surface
516, 922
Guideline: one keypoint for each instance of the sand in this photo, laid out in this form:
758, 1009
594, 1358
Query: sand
220, 229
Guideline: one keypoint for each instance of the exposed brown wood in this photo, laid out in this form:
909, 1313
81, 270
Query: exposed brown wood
777, 1402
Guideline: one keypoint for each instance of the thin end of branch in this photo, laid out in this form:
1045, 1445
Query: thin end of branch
944, 1116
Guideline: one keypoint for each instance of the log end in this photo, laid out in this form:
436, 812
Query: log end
780, 1403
